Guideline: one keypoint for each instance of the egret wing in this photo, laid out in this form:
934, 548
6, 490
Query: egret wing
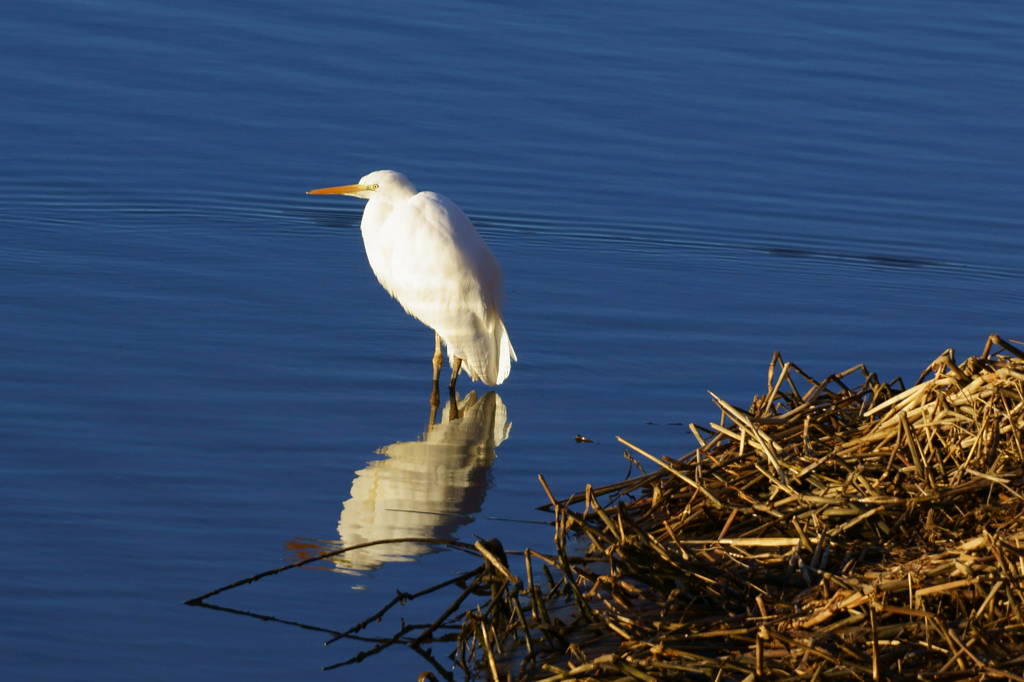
444, 275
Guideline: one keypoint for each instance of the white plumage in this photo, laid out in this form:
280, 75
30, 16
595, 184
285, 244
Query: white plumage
428, 255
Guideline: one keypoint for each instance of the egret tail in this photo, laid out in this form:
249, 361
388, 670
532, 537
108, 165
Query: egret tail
487, 355
506, 355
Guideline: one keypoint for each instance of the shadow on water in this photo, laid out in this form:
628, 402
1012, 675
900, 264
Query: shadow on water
426, 488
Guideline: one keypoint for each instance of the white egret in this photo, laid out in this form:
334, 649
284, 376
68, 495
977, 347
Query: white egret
427, 254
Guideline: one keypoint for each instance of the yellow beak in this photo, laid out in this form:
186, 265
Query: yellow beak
340, 189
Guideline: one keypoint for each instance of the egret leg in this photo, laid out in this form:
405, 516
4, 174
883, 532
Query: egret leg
453, 405
435, 400
456, 366
435, 393
438, 358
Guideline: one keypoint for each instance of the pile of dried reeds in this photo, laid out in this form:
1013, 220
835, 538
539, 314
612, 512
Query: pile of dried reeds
841, 529
836, 529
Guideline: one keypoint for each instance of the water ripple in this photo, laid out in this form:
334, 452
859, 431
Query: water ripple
805, 240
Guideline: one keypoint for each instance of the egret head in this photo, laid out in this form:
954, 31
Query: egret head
378, 184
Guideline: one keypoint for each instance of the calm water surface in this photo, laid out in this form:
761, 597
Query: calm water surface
201, 378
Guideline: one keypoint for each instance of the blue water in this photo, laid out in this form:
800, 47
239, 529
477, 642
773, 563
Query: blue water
200, 372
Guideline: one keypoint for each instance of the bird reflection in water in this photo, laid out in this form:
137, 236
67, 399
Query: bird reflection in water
424, 488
